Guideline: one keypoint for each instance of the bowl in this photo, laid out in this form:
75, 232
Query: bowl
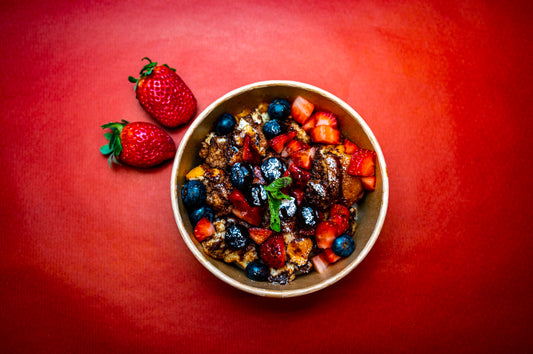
371, 211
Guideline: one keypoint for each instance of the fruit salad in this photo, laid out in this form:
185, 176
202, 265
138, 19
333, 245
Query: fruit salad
277, 190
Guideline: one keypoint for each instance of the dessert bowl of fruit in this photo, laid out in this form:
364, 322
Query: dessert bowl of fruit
279, 188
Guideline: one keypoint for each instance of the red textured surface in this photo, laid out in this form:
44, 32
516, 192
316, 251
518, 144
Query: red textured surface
91, 259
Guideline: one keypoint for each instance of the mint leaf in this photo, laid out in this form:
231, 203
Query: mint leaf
275, 196
274, 204
278, 184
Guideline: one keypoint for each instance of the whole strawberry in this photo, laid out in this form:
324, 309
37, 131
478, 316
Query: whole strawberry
164, 95
137, 144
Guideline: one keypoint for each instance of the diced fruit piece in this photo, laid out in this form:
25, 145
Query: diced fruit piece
298, 195
258, 176
339, 209
279, 142
303, 158
326, 135
196, 172
341, 222
257, 271
299, 177
259, 235
325, 118
369, 183
325, 233
320, 263
250, 153
203, 229
238, 199
253, 216
301, 109
273, 251
310, 124
292, 147
330, 256
343, 246
362, 163
298, 250
350, 147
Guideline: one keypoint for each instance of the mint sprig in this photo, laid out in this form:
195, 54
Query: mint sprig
275, 196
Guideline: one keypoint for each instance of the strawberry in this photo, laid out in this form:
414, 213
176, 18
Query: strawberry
330, 256
303, 158
324, 118
273, 251
252, 216
325, 233
250, 153
203, 229
164, 95
309, 124
339, 209
320, 262
259, 235
301, 109
298, 195
293, 146
137, 144
341, 222
238, 200
325, 134
369, 183
362, 163
299, 177
350, 147
279, 142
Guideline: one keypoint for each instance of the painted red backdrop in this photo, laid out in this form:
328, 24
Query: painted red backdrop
91, 258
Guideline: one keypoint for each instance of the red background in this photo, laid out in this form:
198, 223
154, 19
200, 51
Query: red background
91, 258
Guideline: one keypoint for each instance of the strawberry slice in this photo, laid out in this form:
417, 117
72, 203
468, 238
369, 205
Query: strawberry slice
325, 233
299, 177
279, 142
350, 147
330, 256
320, 262
250, 153
203, 229
310, 124
326, 135
298, 194
339, 209
341, 222
273, 251
303, 158
362, 163
258, 176
301, 109
259, 234
238, 199
292, 147
324, 118
253, 216
369, 183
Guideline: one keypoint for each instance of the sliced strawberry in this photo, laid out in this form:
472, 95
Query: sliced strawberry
301, 109
324, 118
310, 124
330, 256
250, 153
339, 209
299, 177
253, 215
238, 199
350, 147
273, 251
279, 142
362, 163
259, 235
369, 183
203, 229
258, 176
320, 262
303, 158
293, 146
298, 194
326, 135
341, 222
325, 233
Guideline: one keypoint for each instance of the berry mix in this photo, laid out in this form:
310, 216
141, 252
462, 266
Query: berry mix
277, 190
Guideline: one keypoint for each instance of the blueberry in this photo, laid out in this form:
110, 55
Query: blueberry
307, 217
272, 128
193, 194
257, 271
241, 175
343, 245
258, 195
279, 109
236, 236
272, 169
225, 124
203, 211
287, 209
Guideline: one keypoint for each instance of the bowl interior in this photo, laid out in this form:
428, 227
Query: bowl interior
371, 211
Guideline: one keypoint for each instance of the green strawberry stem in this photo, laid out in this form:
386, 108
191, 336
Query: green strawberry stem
114, 147
146, 71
